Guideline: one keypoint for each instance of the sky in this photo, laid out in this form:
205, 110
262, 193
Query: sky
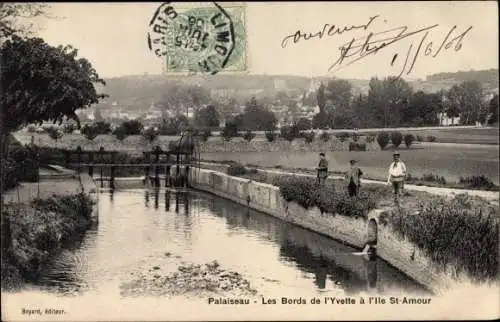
112, 36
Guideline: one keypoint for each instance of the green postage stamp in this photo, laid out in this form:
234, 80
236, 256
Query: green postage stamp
199, 38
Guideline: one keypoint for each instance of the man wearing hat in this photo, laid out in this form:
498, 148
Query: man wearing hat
353, 179
322, 169
397, 175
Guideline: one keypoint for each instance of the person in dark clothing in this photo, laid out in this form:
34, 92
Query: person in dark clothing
322, 169
353, 178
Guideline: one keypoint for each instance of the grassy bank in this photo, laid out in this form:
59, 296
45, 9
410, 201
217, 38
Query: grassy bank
333, 197
37, 230
459, 232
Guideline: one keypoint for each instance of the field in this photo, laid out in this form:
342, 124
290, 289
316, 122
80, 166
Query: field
480, 157
449, 162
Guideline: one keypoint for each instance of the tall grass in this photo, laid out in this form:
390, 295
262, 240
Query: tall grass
331, 198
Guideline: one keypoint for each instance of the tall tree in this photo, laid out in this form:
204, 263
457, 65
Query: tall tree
493, 109
422, 109
258, 118
320, 96
207, 117
466, 101
376, 104
44, 83
339, 93
397, 95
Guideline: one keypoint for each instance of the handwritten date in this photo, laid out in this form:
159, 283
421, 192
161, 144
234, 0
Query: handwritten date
358, 48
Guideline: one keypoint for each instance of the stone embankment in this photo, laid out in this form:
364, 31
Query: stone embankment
356, 232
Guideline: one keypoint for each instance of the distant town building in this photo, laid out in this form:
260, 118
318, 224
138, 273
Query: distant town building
445, 120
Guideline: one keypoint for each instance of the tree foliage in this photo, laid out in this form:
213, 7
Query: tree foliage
304, 124
207, 117
466, 101
44, 83
257, 118
15, 18
493, 109
132, 127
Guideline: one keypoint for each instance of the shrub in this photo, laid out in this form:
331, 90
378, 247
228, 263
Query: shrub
89, 132
132, 127
248, 136
309, 136
420, 138
328, 198
325, 136
342, 136
478, 182
120, 133
429, 177
270, 136
20, 165
462, 232
290, 133
370, 138
229, 131
355, 146
150, 134
205, 134
383, 139
431, 138
396, 138
9, 177
236, 170
409, 138
54, 133
69, 128
102, 127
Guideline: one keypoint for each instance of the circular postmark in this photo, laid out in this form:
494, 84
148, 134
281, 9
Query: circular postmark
192, 39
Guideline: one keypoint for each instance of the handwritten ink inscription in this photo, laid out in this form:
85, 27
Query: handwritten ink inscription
358, 48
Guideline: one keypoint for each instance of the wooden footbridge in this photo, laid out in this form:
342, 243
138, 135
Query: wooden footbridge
171, 167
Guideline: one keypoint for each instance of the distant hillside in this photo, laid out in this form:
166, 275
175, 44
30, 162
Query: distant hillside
139, 91
489, 76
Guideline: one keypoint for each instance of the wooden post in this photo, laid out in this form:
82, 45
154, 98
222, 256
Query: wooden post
157, 167
112, 182
177, 170
167, 171
167, 200
186, 178
67, 157
91, 167
79, 158
101, 149
146, 168
157, 197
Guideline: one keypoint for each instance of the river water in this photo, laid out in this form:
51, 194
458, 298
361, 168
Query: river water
136, 226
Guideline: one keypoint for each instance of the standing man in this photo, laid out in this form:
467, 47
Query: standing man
322, 169
353, 179
397, 175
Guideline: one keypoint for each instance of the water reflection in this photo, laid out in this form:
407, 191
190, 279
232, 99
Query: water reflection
312, 253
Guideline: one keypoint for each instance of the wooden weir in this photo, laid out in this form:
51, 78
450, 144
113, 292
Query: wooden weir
156, 160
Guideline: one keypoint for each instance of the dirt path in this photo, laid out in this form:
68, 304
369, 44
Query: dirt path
488, 195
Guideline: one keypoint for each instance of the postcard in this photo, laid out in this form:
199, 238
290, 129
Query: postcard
249, 161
